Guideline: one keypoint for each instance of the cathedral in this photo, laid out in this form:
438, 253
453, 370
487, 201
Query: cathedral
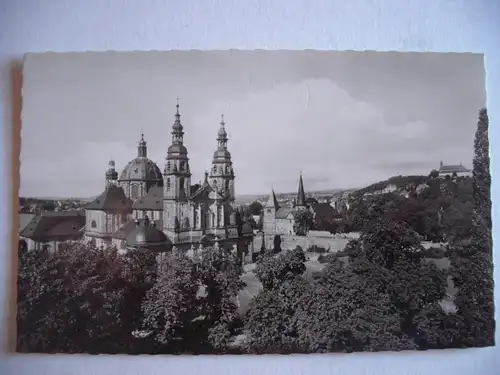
143, 207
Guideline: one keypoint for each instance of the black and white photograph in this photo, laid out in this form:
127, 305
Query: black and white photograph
254, 202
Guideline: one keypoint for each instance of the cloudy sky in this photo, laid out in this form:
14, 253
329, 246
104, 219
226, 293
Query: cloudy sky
345, 119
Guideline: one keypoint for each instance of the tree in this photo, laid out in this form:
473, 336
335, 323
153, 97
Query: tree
434, 174
481, 169
471, 260
412, 284
72, 301
272, 270
139, 276
388, 243
326, 223
41, 320
255, 208
277, 244
219, 272
436, 329
303, 222
171, 304
269, 324
349, 310
48, 206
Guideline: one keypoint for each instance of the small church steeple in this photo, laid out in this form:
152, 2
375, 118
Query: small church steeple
222, 135
177, 128
142, 149
301, 196
273, 201
222, 173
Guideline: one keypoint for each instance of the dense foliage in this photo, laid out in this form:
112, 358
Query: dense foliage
472, 259
255, 208
303, 222
440, 210
81, 299
379, 298
89, 300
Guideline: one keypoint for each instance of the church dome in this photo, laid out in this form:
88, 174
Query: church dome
146, 235
142, 169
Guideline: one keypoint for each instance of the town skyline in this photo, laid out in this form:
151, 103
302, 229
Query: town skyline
345, 119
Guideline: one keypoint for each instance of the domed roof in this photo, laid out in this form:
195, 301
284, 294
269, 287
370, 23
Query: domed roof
222, 154
177, 148
146, 235
246, 228
142, 169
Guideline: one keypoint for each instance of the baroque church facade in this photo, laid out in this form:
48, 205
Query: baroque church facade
145, 207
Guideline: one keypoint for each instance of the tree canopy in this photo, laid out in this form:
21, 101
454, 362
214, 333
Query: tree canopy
255, 208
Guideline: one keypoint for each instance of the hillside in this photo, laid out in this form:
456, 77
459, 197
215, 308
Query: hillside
438, 209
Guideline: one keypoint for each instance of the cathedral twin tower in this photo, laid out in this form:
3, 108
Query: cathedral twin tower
186, 205
208, 204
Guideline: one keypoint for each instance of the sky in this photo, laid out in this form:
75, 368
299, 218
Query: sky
342, 119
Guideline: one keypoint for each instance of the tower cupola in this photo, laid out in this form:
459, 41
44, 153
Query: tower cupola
111, 173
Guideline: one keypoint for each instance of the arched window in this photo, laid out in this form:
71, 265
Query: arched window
181, 166
215, 169
214, 183
93, 224
168, 166
181, 184
220, 170
227, 169
227, 184
168, 184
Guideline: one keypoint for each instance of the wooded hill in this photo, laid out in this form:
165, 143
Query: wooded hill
438, 209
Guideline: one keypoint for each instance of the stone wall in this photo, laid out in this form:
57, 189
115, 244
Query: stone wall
332, 243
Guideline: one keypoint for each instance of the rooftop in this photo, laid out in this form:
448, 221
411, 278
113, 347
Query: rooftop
112, 199
48, 225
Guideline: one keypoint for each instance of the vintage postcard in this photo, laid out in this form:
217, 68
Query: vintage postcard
254, 202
